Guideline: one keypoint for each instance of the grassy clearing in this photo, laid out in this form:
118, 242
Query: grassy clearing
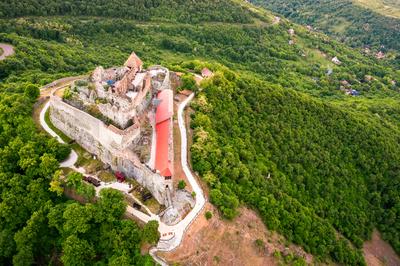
37, 108
106, 176
389, 8
86, 160
66, 170
152, 203
341, 26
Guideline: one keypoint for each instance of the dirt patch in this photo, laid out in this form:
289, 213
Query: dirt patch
221, 242
377, 252
60, 92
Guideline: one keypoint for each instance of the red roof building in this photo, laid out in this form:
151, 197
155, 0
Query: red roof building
164, 139
206, 73
165, 109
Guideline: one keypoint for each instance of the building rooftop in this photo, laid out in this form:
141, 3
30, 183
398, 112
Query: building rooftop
133, 61
163, 163
164, 113
206, 73
165, 109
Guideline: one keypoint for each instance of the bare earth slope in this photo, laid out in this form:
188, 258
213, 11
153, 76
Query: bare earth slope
378, 252
221, 242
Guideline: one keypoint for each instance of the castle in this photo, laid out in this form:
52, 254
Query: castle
123, 115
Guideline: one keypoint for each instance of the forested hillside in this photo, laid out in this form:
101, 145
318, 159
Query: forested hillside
39, 225
390, 8
307, 166
354, 24
276, 132
145, 10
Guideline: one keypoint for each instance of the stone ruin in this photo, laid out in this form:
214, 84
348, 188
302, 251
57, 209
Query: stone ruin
106, 115
110, 113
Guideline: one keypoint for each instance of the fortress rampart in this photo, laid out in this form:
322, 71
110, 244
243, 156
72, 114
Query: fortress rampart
109, 143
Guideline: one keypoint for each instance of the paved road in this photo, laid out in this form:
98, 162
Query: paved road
180, 228
73, 156
8, 50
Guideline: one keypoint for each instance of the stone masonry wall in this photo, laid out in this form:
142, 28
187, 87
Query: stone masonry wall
94, 136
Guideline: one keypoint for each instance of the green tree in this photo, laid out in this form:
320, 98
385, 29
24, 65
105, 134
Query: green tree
32, 91
74, 179
77, 251
48, 165
181, 184
110, 206
56, 183
150, 232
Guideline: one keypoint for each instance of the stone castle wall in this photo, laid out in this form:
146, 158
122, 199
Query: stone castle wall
166, 84
109, 144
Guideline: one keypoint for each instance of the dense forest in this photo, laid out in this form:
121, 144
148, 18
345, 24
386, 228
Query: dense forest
144, 10
307, 166
356, 25
275, 132
38, 225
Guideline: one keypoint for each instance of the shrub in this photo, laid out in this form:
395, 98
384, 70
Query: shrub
81, 83
181, 184
208, 215
32, 91
150, 232
67, 94
259, 243
188, 82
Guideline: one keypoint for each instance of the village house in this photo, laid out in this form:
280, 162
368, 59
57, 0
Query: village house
380, 55
336, 61
206, 73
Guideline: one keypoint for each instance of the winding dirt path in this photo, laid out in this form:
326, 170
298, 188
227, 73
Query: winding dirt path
8, 50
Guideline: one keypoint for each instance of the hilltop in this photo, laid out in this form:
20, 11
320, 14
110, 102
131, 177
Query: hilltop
389, 8
309, 142
360, 23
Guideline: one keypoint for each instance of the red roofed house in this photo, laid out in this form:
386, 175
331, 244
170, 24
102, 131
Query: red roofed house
164, 161
206, 73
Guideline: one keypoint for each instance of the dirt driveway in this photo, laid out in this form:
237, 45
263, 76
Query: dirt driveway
7, 50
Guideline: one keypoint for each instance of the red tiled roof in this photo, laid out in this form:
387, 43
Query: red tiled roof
166, 108
163, 163
206, 73
133, 61
164, 113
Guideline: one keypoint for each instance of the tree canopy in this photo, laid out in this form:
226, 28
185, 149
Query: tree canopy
275, 131
309, 168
